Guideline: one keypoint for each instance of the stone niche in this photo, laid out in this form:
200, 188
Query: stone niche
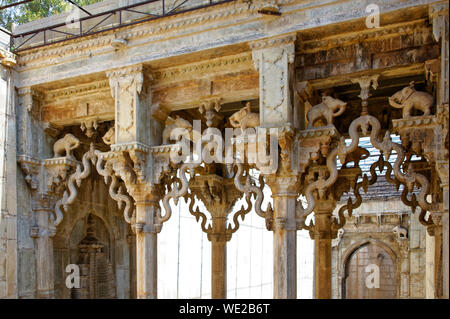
94, 236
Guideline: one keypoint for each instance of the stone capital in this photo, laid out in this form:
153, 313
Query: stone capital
286, 43
283, 186
131, 75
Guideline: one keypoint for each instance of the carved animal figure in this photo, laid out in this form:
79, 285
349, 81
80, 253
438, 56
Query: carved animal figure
244, 118
356, 156
65, 144
172, 124
401, 232
325, 110
408, 98
110, 137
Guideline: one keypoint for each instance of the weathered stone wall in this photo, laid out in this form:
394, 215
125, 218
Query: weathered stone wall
417, 242
8, 211
374, 222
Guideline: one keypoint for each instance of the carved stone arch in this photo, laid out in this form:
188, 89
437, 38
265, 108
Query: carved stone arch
112, 229
355, 247
90, 162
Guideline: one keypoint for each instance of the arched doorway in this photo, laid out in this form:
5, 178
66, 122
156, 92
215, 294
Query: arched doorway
361, 265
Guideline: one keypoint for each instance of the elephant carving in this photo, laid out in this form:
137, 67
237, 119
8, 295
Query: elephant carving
244, 118
109, 137
172, 124
327, 110
408, 98
356, 156
66, 145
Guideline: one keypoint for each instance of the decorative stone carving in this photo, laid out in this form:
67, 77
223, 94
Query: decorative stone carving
356, 156
7, 58
210, 109
31, 168
110, 137
65, 145
327, 110
401, 232
244, 118
89, 126
250, 188
336, 241
273, 59
172, 124
126, 88
408, 98
365, 82
58, 171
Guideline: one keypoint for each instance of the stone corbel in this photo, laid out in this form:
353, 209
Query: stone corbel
57, 172
32, 169
7, 58
26, 95
365, 82
219, 196
89, 126
209, 108
51, 129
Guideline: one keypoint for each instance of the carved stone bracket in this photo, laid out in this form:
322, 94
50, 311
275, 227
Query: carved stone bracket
365, 83
219, 196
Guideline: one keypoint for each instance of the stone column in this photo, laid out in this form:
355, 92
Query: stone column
218, 261
43, 232
8, 175
284, 193
274, 60
146, 245
218, 194
323, 235
439, 17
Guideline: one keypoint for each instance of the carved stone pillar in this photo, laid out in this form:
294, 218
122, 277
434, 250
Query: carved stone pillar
132, 104
439, 17
284, 193
219, 260
146, 244
46, 179
274, 60
43, 231
323, 234
218, 194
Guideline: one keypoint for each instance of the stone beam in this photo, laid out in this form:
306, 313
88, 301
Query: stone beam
231, 24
